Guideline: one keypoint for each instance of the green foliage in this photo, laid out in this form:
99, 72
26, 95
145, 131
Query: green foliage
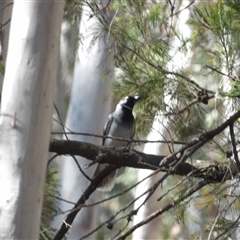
219, 26
142, 47
50, 203
235, 91
234, 4
2, 68
72, 11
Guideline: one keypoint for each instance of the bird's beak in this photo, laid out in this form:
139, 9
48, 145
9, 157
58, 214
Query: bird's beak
137, 98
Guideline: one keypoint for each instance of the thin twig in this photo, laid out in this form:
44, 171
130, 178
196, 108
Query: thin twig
7, 5
100, 11
122, 209
50, 160
232, 135
90, 189
66, 136
164, 209
61, 199
4, 24
80, 169
117, 138
224, 74
189, 5
60, 121
236, 223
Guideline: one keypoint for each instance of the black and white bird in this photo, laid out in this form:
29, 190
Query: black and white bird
120, 124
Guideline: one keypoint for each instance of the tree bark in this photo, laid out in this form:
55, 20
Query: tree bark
207, 169
26, 112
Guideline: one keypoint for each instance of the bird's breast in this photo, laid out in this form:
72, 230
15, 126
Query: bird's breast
119, 130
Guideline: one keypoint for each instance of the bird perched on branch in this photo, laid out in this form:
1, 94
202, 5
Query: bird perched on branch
120, 124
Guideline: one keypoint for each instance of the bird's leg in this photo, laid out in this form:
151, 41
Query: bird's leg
127, 149
98, 159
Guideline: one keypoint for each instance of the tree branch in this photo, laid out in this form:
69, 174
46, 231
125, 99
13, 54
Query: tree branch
118, 157
81, 202
216, 172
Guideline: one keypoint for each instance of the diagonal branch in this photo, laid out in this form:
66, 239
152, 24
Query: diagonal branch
234, 146
81, 202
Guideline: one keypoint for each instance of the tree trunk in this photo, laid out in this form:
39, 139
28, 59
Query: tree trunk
153, 229
69, 35
89, 107
26, 112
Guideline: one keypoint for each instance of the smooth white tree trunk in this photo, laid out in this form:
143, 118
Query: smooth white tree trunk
89, 107
26, 111
153, 229
69, 35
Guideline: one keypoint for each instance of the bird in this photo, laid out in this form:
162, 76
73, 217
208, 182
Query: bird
120, 124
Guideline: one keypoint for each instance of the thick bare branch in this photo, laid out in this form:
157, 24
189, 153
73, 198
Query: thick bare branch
216, 172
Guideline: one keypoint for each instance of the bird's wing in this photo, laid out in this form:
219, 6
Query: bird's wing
133, 131
107, 127
132, 134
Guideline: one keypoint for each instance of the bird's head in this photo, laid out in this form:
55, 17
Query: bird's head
127, 102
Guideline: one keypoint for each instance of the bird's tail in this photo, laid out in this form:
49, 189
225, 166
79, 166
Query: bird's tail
108, 182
